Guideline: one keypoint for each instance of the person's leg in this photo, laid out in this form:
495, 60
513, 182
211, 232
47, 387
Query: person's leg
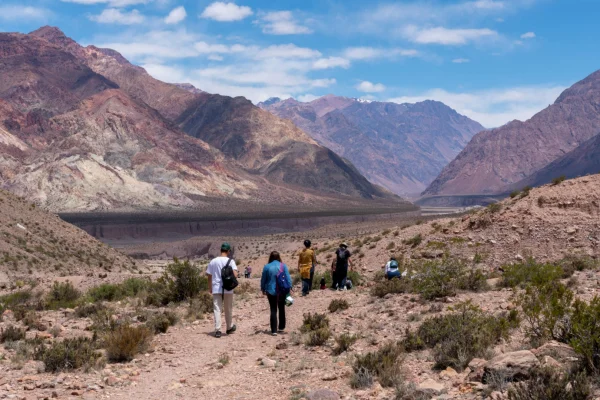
217, 305
228, 305
312, 275
304, 286
281, 307
343, 277
333, 280
273, 307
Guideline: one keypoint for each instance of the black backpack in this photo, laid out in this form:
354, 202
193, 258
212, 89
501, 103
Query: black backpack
228, 278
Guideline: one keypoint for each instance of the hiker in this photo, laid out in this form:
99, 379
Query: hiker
323, 284
276, 284
248, 272
342, 262
221, 272
306, 263
392, 269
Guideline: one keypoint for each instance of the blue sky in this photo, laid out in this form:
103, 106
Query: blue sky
493, 60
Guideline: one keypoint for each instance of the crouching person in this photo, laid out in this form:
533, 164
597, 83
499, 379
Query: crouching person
392, 269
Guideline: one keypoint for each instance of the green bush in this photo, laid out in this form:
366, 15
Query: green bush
362, 378
184, 281
114, 292
393, 286
355, 277
573, 263
384, 363
514, 193
317, 337
344, 342
441, 278
200, 306
89, 309
323, 274
125, 341
313, 322
585, 335
62, 295
559, 180
413, 241
494, 208
457, 338
67, 355
548, 384
532, 272
160, 322
11, 334
545, 308
16, 299
338, 304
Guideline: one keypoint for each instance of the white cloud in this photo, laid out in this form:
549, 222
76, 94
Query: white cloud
166, 73
23, 13
331, 62
487, 5
159, 44
281, 23
461, 60
528, 35
445, 36
226, 12
116, 16
176, 15
306, 98
111, 3
493, 107
215, 57
369, 87
287, 51
368, 53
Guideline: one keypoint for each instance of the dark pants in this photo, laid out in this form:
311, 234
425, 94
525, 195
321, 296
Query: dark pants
312, 275
394, 273
305, 286
277, 302
333, 279
341, 273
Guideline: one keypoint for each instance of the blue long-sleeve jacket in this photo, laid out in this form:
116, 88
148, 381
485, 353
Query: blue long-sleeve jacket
268, 281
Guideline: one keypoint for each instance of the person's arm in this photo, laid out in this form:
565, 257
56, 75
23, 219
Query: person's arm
235, 269
315, 262
288, 276
209, 275
263, 281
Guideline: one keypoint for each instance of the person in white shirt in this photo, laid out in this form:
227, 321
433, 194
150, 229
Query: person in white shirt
221, 299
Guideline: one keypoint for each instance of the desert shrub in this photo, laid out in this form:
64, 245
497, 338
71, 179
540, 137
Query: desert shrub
436, 279
585, 335
362, 378
200, 306
525, 191
394, 286
12, 300
390, 246
532, 272
494, 208
558, 180
473, 280
160, 322
344, 342
244, 287
62, 295
457, 338
457, 240
184, 281
478, 258
88, 309
409, 391
436, 245
514, 193
548, 384
313, 322
545, 308
572, 263
317, 337
541, 201
102, 320
67, 355
11, 334
413, 241
338, 304
106, 292
384, 364
125, 341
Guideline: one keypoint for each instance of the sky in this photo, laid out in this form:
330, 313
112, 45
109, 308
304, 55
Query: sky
492, 60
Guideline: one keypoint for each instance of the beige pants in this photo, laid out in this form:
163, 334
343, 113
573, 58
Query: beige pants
218, 303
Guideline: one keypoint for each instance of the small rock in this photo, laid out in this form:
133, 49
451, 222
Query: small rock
323, 394
448, 373
268, 362
431, 386
571, 230
519, 257
328, 378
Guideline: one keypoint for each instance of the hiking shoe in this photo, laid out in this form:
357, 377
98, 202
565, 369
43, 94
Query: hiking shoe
218, 334
280, 331
231, 330
273, 333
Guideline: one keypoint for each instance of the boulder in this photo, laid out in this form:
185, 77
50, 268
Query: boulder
431, 387
561, 352
432, 254
514, 366
477, 370
323, 394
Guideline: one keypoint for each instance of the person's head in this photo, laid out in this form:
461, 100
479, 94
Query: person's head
225, 248
344, 245
274, 257
307, 244
393, 257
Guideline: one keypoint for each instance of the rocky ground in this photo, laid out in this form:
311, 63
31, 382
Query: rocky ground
187, 362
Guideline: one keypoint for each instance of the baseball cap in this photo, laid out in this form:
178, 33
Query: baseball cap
225, 246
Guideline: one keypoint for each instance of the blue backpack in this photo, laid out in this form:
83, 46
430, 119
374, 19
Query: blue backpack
283, 286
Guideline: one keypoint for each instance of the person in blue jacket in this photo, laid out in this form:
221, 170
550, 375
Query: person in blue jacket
268, 286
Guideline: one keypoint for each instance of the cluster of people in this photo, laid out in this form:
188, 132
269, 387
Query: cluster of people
276, 282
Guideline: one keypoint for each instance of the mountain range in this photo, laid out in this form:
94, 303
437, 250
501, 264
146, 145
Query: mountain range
401, 147
82, 129
559, 140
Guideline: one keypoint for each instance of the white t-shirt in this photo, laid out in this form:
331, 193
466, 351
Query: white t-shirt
214, 270
388, 269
